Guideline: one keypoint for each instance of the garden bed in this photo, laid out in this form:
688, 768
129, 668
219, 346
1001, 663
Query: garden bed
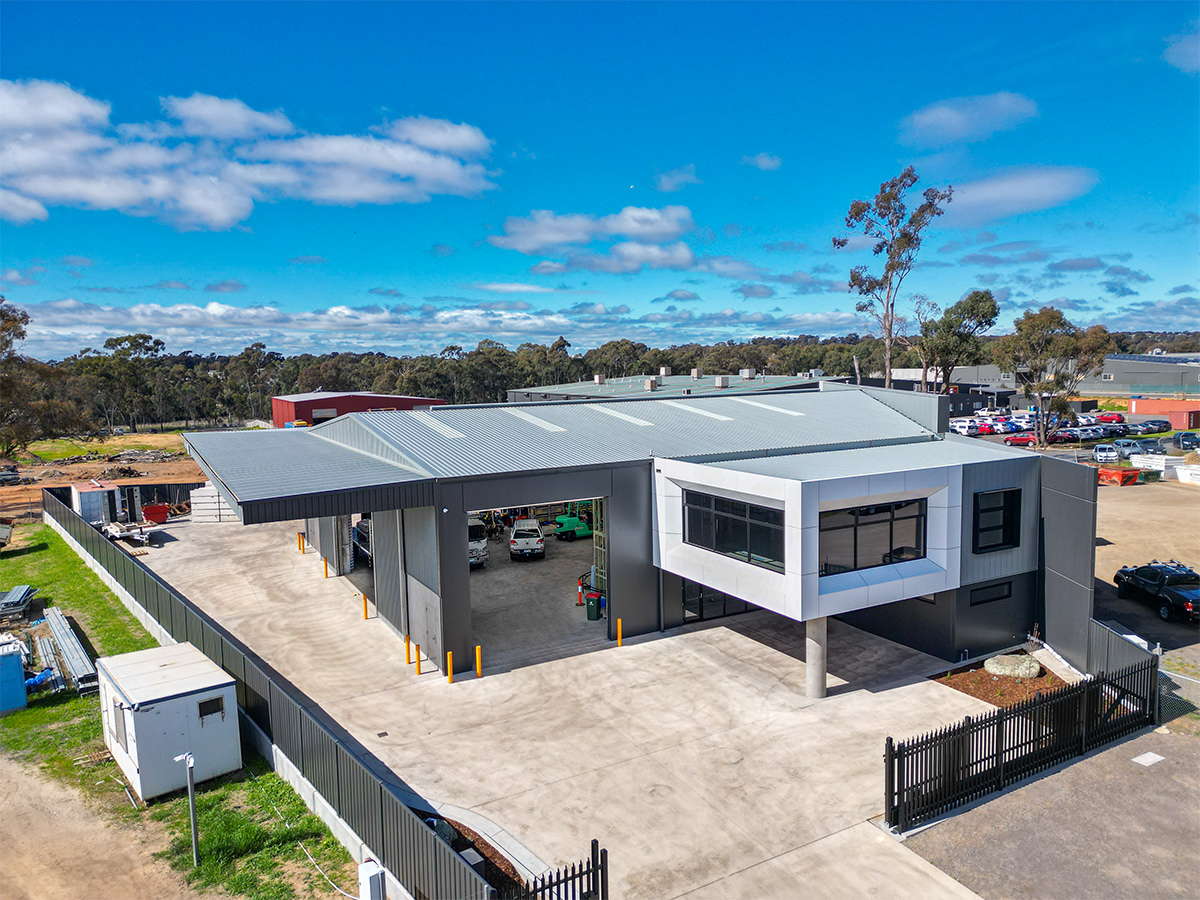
999, 690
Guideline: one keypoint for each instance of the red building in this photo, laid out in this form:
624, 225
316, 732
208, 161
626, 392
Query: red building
321, 406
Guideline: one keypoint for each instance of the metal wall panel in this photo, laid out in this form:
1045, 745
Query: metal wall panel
212, 643
632, 575
916, 623
420, 545
999, 624
233, 660
258, 696
1068, 556
319, 761
387, 557
359, 798
285, 723
1023, 474
195, 629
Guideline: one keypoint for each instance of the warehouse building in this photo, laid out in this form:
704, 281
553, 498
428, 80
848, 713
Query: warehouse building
846, 501
321, 406
666, 384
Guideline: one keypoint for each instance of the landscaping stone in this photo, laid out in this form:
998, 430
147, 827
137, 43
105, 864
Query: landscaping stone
1014, 665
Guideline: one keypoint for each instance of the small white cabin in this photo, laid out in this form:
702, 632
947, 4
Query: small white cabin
98, 502
163, 702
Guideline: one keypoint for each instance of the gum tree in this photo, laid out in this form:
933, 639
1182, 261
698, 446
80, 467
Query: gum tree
896, 234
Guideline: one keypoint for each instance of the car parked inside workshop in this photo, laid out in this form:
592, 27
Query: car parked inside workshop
1173, 587
526, 539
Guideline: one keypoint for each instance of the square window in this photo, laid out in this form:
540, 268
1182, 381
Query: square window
997, 521
991, 593
212, 706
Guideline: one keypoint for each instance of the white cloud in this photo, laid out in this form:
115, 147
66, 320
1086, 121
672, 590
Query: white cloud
17, 278
1015, 192
57, 147
966, 119
625, 258
202, 115
755, 291
170, 286
768, 162
228, 286
675, 179
543, 230
1183, 52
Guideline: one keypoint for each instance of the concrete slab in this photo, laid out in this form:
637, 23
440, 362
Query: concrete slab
694, 756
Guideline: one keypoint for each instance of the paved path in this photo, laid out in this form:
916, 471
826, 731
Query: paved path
694, 757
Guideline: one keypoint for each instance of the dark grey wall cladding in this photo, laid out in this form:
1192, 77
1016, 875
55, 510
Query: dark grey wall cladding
338, 503
420, 545
535, 489
632, 576
359, 796
454, 577
319, 760
672, 600
997, 624
1069, 557
1022, 473
916, 623
285, 723
387, 554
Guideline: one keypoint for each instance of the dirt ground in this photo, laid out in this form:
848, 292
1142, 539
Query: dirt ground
53, 845
24, 502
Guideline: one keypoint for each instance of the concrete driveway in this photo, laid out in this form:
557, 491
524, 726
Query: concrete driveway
693, 756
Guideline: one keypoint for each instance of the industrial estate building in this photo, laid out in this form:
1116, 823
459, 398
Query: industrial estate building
321, 406
666, 384
844, 501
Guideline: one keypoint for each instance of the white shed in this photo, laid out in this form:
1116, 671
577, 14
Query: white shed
160, 703
98, 502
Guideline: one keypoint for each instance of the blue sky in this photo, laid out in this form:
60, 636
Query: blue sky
400, 177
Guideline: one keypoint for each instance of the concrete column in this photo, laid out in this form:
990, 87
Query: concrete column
814, 657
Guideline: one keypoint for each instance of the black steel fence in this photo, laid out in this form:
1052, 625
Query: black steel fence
339, 767
932, 774
586, 881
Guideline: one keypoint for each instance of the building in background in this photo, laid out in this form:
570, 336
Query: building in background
321, 406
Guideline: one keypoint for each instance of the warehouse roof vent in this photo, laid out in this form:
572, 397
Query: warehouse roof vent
721, 381
599, 379
664, 371
697, 374
652, 384
748, 374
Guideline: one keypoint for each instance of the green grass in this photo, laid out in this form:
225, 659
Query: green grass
245, 849
61, 448
249, 825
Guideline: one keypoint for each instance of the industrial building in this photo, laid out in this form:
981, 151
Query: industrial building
844, 501
666, 384
321, 406
1123, 375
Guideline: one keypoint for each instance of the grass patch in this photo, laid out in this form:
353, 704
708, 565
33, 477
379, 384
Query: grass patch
249, 824
61, 448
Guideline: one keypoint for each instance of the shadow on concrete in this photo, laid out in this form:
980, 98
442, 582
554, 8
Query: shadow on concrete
1141, 617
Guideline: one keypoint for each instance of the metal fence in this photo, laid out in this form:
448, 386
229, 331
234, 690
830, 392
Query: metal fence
932, 774
1109, 650
586, 881
332, 760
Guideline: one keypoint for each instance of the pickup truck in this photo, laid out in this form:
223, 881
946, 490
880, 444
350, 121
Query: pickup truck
477, 542
1173, 587
526, 539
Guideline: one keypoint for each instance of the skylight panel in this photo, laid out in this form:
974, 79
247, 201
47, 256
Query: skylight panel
440, 427
686, 407
633, 420
778, 409
533, 420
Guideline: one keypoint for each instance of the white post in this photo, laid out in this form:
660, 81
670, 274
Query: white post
814, 657
190, 761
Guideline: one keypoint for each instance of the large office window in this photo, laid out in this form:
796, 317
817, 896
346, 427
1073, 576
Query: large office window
869, 536
997, 520
753, 534
701, 603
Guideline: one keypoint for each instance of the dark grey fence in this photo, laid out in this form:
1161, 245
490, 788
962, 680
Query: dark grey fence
331, 759
932, 774
1109, 651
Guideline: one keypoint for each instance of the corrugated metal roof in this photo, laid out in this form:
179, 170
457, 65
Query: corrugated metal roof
953, 451
670, 386
145, 676
329, 395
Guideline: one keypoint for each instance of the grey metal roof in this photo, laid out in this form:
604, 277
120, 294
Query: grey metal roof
669, 386
1179, 359
461, 441
953, 451
163, 672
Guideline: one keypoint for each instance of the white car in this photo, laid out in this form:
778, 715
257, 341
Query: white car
477, 543
1086, 420
526, 539
964, 427
1105, 453
992, 411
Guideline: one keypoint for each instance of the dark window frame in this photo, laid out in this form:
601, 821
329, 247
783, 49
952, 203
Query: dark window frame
982, 595
700, 601
872, 523
214, 705
1006, 535
118, 729
712, 523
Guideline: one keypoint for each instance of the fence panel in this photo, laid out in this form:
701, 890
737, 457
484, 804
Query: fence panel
359, 801
319, 761
927, 776
285, 723
1109, 650
258, 693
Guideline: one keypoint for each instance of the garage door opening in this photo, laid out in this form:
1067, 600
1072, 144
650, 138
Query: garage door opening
531, 567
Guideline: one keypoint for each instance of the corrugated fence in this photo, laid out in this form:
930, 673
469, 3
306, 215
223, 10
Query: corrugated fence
333, 761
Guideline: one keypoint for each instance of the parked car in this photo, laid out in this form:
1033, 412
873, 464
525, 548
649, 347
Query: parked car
1186, 440
1086, 420
1173, 587
969, 429
1126, 447
1155, 426
477, 542
1140, 428
1020, 440
992, 411
1093, 433
988, 428
1115, 429
526, 539
1103, 453
1151, 447
1111, 418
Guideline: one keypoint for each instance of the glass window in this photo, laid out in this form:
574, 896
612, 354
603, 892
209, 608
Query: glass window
869, 536
119, 725
701, 603
212, 706
997, 520
991, 593
753, 534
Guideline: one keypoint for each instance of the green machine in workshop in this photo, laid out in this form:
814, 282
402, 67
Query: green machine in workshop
575, 523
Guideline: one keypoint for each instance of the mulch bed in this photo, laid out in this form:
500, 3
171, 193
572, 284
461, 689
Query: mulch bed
999, 690
498, 871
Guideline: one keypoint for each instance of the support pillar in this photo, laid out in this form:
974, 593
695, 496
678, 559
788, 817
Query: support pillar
814, 657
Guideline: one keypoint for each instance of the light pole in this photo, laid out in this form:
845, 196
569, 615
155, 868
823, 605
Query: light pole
191, 776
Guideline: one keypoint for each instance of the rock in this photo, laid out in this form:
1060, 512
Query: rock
1014, 665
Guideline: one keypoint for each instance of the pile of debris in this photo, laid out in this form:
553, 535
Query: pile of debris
143, 456
120, 472
85, 458
50, 473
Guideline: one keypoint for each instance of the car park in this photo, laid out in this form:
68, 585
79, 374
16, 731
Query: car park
1020, 440
1186, 440
1126, 447
1103, 453
993, 411
1171, 586
526, 539
1155, 426
1111, 418
1151, 447
988, 428
1115, 429
963, 427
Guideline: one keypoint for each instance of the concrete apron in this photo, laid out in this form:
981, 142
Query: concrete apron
695, 757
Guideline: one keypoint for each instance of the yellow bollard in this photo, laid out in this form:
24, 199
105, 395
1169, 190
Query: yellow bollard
478, 661
407, 652
618, 632
450, 666
300, 541
364, 606
418, 659
326, 568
